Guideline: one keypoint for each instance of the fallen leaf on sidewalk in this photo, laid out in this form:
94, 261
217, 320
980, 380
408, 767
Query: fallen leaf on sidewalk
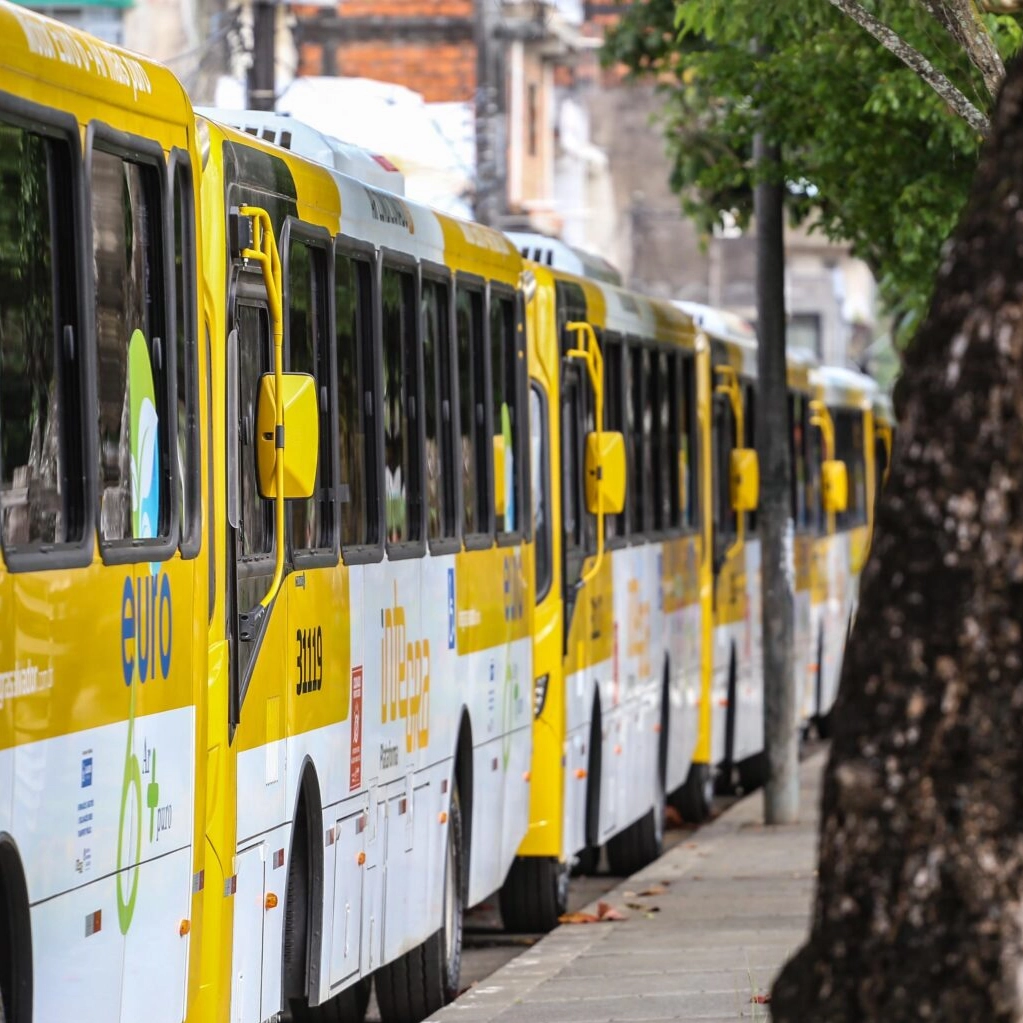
654, 889
638, 907
578, 918
761, 999
607, 912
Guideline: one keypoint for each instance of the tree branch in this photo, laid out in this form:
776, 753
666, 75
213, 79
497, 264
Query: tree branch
961, 19
917, 62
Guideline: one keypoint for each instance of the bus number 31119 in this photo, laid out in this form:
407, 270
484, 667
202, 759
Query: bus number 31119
310, 660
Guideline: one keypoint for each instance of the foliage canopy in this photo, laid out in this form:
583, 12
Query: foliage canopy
871, 154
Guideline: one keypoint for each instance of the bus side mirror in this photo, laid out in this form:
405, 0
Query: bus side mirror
499, 494
745, 479
301, 435
605, 472
834, 485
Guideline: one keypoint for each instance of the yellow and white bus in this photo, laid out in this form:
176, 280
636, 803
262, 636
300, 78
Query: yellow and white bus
370, 708
104, 575
621, 648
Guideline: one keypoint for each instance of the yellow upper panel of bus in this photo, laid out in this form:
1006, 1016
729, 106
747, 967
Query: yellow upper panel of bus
43, 61
342, 204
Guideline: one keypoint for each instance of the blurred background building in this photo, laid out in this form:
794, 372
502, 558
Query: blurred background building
498, 110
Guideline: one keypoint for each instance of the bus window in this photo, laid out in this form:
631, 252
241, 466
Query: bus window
353, 299
255, 539
665, 481
187, 368
849, 449
439, 418
41, 422
614, 415
572, 432
689, 446
504, 370
723, 439
312, 519
476, 495
402, 490
135, 469
797, 455
636, 489
749, 398
646, 470
540, 471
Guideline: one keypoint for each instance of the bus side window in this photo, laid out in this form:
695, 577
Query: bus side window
664, 480
477, 496
186, 334
539, 433
42, 426
646, 405
749, 398
849, 449
797, 455
312, 519
506, 412
723, 437
614, 417
356, 394
691, 508
439, 415
635, 490
402, 469
135, 452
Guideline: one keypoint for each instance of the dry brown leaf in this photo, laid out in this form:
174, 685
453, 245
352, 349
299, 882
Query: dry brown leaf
654, 889
578, 918
606, 912
761, 999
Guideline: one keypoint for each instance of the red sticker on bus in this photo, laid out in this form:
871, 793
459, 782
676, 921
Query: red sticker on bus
355, 773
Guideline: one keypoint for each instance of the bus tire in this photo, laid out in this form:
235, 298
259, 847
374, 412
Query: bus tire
425, 979
347, 1007
753, 772
534, 895
696, 796
3, 1016
588, 858
641, 842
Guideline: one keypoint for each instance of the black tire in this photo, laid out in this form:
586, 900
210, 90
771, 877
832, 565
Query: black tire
724, 783
426, 978
3, 1015
695, 798
347, 1007
296, 921
587, 861
822, 722
641, 842
753, 772
534, 894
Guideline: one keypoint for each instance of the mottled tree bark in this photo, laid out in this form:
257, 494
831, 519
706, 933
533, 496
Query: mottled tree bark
919, 906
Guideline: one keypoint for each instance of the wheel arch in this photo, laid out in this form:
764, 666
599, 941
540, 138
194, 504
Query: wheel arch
463, 773
16, 930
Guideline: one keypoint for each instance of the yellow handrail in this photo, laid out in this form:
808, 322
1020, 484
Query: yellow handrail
264, 254
589, 352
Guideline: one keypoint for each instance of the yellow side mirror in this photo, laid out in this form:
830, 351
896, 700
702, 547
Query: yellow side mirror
605, 472
834, 485
745, 479
499, 494
301, 435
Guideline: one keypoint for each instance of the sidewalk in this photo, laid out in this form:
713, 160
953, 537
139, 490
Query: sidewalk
736, 902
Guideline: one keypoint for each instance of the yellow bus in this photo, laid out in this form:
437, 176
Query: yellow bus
104, 574
620, 644
370, 645
843, 418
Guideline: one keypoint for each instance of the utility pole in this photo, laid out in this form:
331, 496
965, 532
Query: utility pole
262, 77
781, 794
491, 153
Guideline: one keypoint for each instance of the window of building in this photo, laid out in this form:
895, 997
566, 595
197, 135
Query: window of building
804, 331
42, 426
135, 468
356, 391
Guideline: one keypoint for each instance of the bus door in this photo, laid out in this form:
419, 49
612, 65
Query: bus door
735, 493
256, 487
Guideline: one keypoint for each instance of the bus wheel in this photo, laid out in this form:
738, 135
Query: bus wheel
534, 894
753, 772
641, 842
3, 1016
696, 797
426, 979
347, 1007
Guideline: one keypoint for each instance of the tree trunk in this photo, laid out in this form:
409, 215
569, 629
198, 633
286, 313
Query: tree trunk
773, 432
918, 910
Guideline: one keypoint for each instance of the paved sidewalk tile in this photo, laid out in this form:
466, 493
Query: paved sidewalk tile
736, 902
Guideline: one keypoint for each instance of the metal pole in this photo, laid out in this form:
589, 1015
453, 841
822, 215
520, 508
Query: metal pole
262, 95
781, 794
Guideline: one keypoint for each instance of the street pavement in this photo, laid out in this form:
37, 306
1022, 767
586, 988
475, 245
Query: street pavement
706, 929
